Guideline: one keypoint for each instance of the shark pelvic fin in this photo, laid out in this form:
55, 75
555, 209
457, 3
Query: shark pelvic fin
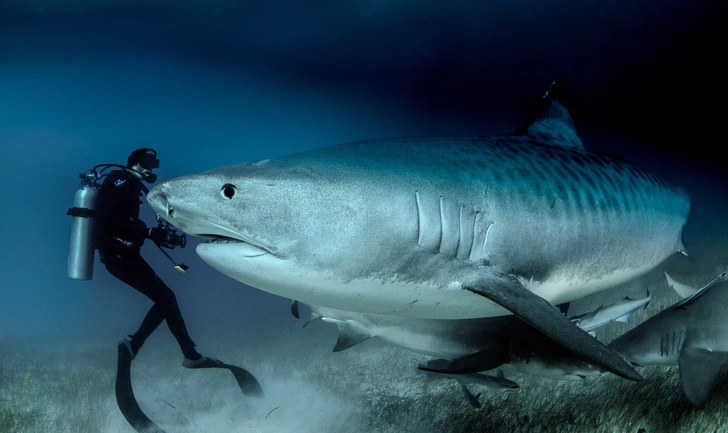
546, 318
550, 120
313, 319
698, 370
349, 334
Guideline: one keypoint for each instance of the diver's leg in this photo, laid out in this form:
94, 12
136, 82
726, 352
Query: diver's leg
136, 272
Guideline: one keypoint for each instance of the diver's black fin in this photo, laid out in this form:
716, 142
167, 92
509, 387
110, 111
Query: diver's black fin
550, 121
247, 382
125, 395
542, 315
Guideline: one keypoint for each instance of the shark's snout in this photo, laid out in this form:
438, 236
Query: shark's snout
159, 202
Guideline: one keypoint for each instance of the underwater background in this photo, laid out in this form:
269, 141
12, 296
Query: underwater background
210, 83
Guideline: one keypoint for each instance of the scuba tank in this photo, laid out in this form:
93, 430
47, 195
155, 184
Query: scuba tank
81, 250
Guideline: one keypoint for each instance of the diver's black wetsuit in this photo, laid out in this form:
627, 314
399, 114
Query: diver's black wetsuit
119, 237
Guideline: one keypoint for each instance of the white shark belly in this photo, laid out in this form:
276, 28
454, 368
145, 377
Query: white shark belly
366, 295
392, 295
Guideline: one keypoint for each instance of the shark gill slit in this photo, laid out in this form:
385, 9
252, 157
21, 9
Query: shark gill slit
485, 238
680, 341
473, 244
419, 218
460, 230
442, 226
475, 228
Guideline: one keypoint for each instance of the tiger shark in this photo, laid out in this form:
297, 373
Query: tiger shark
444, 228
692, 333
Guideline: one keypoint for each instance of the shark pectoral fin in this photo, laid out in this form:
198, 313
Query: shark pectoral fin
294, 309
546, 318
349, 335
698, 371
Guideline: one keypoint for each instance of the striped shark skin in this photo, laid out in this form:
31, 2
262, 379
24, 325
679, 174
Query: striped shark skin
446, 228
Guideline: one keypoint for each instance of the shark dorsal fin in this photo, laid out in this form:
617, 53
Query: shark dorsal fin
689, 300
683, 290
550, 121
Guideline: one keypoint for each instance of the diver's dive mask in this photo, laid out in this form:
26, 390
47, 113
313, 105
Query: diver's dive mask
149, 161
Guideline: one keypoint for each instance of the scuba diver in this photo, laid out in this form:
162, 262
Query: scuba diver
119, 237
106, 218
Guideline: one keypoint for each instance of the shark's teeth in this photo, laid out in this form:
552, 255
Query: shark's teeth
241, 247
223, 241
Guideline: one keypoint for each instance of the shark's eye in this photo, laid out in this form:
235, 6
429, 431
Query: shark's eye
228, 191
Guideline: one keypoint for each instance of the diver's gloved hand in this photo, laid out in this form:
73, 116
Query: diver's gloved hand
157, 235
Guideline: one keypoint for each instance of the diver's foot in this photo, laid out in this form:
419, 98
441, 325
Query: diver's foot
127, 343
202, 362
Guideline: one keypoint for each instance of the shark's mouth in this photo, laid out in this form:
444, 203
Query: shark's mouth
248, 247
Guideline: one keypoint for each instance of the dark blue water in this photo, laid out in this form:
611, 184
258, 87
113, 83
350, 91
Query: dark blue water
210, 83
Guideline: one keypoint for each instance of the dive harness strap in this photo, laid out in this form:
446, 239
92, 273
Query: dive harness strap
82, 212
